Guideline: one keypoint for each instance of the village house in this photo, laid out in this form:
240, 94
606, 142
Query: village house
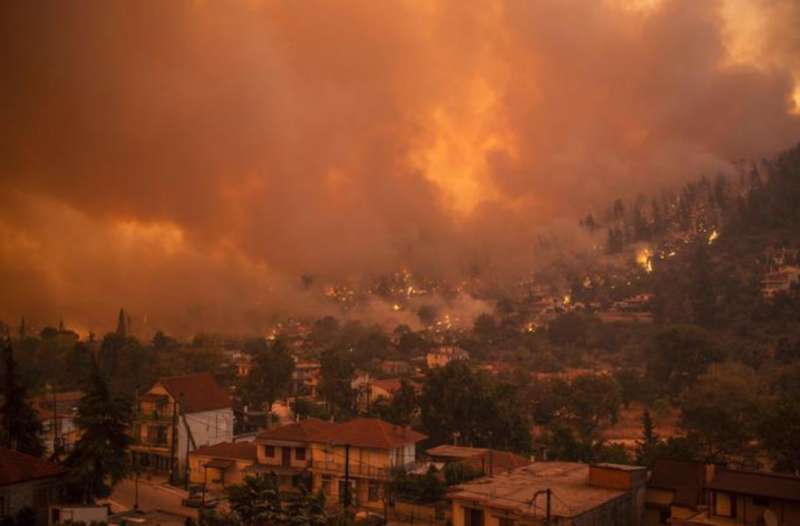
444, 355
563, 493
675, 491
178, 415
750, 498
57, 413
396, 367
315, 453
28, 482
221, 464
286, 451
305, 378
373, 448
369, 390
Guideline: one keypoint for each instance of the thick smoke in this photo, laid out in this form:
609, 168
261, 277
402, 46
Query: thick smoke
190, 160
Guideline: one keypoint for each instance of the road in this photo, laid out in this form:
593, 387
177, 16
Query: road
151, 497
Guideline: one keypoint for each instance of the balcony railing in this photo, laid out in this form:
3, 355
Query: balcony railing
357, 469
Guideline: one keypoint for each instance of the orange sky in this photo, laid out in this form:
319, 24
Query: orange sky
190, 161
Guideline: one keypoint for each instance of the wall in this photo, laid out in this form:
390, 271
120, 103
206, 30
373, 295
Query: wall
208, 428
233, 475
37, 495
277, 459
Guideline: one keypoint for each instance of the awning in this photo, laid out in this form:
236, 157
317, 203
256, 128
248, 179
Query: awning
219, 463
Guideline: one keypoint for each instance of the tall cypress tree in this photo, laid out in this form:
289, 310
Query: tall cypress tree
21, 427
100, 458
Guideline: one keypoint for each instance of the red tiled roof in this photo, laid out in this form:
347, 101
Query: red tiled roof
306, 431
197, 392
372, 433
774, 485
232, 450
16, 467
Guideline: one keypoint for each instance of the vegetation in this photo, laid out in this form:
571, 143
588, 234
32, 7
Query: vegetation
257, 501
20, 427
100, 457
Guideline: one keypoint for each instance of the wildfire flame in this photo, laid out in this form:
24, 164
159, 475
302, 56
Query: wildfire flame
644, 258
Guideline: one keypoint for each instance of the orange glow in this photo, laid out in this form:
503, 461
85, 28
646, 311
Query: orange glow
462, 137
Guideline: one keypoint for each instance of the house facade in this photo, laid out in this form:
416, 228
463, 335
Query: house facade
57, 413
28, 482
221, 464
176, 416
321, 455
750, 498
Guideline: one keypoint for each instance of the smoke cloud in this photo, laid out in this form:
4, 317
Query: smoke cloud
190, 160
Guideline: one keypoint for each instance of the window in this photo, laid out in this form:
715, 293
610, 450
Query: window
374, 493
326, 484
724, 505
473, 517
300, 453
761, 501
269, 451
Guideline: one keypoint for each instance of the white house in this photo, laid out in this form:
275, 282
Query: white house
177, 415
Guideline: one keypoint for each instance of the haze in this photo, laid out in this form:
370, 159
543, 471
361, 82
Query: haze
190, 160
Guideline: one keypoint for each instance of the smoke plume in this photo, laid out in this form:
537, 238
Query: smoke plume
189, 160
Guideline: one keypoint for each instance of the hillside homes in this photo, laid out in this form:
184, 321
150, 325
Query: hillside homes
444, 355
178, 415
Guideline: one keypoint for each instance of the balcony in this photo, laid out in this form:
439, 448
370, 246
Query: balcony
357, 469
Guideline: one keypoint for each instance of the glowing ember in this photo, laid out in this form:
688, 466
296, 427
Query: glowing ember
644, 258
567, 299
713, 236
396, 307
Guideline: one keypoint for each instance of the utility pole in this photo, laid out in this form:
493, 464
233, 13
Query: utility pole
346, 476
136, 488
173, 442
547, 512
548, 493
55, 423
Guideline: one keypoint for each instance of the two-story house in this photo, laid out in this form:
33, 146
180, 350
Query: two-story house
177, 415
286, 451
322, 454
368, 450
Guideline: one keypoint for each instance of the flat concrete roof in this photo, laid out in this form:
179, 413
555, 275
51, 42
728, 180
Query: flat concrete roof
514, 491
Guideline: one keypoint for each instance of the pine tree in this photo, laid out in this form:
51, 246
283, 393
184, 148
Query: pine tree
20, 425
122, 324
99, 459
646, 448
